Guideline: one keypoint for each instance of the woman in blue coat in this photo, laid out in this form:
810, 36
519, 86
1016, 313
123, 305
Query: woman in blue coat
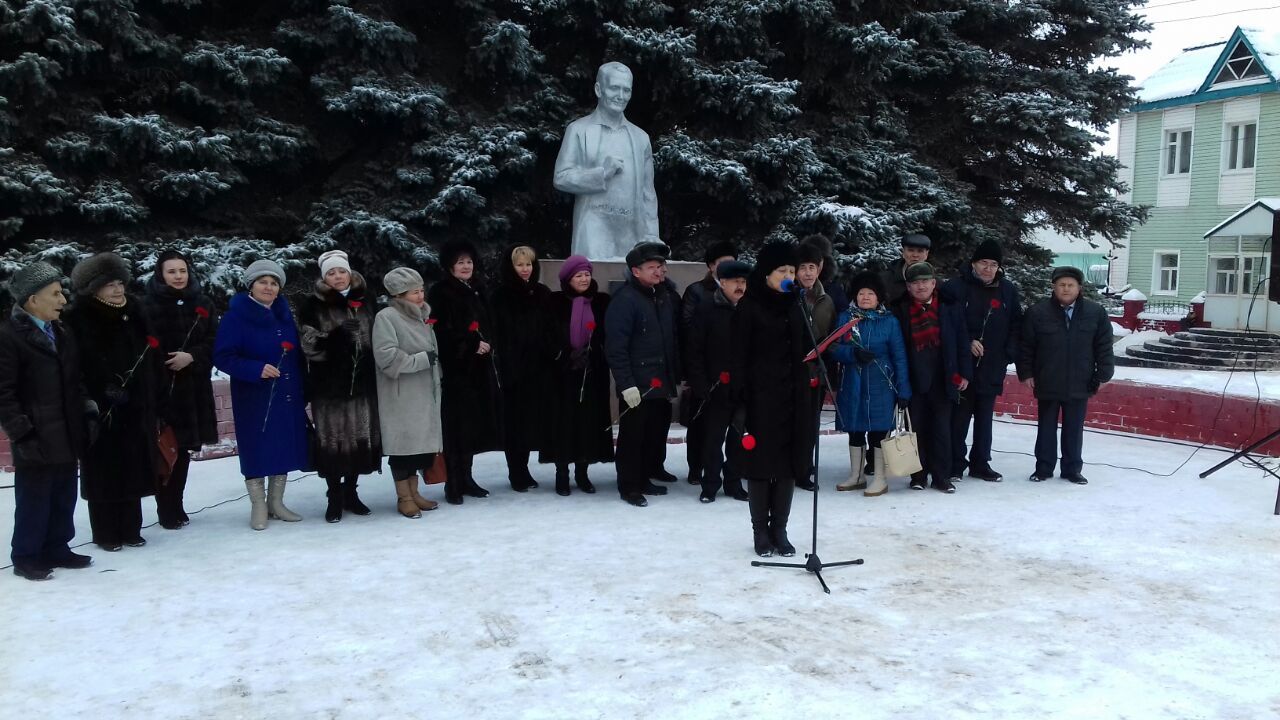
874, 379
257, 345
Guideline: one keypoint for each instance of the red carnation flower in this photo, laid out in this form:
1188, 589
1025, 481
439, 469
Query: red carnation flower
748, 442
286, 345
474, 326
591, 326
201, 312
995, 304
813, 382
655, 383
355, 304
431, 321
152, 342
724, 378
956, 379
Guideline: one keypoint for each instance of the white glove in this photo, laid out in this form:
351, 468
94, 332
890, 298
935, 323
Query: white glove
631, 396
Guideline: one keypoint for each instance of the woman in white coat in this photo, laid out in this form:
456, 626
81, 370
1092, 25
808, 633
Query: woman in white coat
404, 349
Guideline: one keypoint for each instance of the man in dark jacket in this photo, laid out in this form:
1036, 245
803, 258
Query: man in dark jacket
709, 356
1066, 356
992, 309
915, 249
641, 346
694, 295
45, 413
940, 366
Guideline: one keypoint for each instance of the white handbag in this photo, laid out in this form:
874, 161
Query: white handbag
901, 453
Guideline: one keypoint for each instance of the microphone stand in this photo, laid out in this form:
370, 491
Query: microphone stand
812, 562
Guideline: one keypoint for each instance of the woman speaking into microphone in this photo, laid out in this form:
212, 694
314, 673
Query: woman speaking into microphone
773, 388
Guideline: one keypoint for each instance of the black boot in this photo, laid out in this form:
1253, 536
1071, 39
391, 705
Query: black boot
518, 471
350, 499
580, 477
780, 494
562, 480
333, 511
758, 499
733, 488
469, 485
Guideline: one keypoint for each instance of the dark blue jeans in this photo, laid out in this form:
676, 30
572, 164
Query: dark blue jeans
44, 513
1072, 412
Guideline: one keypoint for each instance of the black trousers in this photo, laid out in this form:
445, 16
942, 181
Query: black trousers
931, 419
115, 522
695, 439
1072, 413
44, 513
720, 442
981, 410
406, 466
169, 495
642, 444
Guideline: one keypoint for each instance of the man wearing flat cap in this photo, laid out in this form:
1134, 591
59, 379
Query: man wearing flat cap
45, 413
643, 353
1065, 357
915, 249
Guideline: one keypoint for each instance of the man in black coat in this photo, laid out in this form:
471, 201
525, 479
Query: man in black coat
694, 297
643, 353
940, 366
46, 414
993, 313
915, 249
709, 353
1066, 356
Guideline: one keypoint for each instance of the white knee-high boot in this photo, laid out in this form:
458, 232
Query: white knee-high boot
856, 481
879, 484
275, 499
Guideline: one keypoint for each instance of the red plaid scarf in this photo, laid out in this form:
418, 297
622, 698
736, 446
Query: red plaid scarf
925, 332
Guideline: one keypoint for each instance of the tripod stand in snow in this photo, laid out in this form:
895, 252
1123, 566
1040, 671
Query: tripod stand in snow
1247, 455
812, 562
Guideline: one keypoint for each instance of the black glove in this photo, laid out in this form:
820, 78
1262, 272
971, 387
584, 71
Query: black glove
116, 396
902, 403
864, 356
578, 358
1093, 387
433, 357
351, 326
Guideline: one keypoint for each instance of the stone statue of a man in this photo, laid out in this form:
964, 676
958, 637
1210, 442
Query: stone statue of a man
607, 163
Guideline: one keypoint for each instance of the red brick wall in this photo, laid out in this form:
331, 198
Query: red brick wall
1124, 406
1164, 412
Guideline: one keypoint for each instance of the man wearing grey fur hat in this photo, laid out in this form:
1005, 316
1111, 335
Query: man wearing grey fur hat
46, 415
1065, 357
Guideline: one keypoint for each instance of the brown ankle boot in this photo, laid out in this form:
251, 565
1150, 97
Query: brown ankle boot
421, 502
404, 500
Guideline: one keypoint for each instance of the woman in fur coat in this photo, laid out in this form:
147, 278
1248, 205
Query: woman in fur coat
335, 323
122, 373
470, 404
186, 322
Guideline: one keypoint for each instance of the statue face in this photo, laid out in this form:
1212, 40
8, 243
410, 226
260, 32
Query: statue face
615, 91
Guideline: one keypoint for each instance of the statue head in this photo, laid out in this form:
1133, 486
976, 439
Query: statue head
613, 87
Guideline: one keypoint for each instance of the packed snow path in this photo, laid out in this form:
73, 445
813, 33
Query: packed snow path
1134, 596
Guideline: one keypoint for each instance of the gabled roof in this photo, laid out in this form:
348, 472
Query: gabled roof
1253, 219
1189, 77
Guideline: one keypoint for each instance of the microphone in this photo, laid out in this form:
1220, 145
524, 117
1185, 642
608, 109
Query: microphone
791, 286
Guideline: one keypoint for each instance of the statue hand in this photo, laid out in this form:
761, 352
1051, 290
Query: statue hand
612, 166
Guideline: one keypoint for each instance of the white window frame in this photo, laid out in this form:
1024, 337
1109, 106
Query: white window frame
1261, 267
1227, 148
1180, 133
1243, 289
1214, 273
1157, 272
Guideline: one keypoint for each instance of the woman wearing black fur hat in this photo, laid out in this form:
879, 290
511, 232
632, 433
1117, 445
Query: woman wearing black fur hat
522, 330
470, 407
774, 389
122, 374
185, 321
335, 325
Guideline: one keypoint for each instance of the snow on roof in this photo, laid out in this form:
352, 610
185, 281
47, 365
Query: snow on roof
1185, 74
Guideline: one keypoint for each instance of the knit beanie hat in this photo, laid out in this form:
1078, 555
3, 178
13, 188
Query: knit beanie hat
573, 265
332, 259
262, 268
90, 274
401, 280
31, 279
988, 250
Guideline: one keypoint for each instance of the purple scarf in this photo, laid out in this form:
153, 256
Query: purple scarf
579, 319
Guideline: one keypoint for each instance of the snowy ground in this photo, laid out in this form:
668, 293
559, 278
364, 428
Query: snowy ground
1133, 597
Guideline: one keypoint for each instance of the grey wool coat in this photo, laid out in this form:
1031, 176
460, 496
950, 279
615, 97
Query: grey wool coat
404, 349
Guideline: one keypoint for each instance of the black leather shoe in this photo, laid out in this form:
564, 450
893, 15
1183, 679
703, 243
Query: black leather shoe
917, 483
664, 476
805, 484
476, 491
32, 572
651, 489
1076, 479
985, 474
109, 546
1037, 478
136, 542
635, 499
453, 499
72, 561
706, 498
941, 485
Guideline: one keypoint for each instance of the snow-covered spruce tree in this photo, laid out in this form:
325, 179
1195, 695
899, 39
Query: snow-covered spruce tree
286, 127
